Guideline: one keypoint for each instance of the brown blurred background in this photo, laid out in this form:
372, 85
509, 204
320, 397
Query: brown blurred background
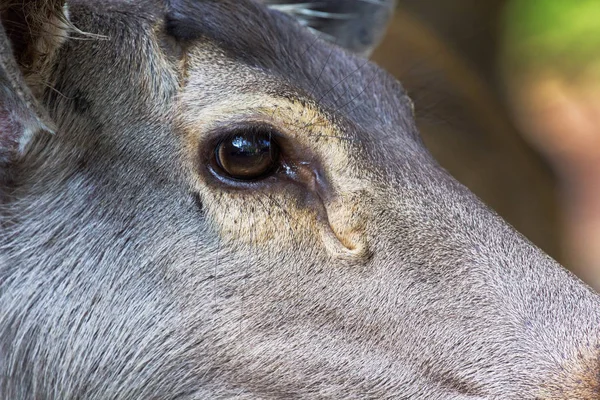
508, 100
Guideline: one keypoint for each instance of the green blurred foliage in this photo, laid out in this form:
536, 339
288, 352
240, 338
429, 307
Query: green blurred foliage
564, 33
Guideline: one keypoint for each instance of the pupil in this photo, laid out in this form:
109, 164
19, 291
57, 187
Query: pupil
247, 156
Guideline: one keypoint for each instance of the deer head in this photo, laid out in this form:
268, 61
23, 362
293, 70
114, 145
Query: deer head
201, 199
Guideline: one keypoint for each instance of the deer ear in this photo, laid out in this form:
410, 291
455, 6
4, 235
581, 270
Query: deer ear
30, 33
357, 25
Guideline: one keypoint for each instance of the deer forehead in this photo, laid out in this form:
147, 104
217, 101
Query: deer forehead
209, 102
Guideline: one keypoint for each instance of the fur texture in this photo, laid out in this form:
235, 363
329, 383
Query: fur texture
129, 270
357, 25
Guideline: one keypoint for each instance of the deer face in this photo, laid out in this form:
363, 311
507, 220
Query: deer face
232, 208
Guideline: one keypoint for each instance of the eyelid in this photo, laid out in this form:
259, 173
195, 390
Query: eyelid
222, 131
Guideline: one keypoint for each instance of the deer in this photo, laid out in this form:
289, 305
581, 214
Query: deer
203, 199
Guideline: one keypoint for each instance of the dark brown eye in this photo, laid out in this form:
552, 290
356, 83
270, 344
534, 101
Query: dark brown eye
248, 155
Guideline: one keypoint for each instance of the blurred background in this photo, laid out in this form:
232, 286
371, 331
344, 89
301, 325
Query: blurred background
507, 96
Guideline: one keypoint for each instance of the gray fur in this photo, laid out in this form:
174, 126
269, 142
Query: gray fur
357, 25
128, 272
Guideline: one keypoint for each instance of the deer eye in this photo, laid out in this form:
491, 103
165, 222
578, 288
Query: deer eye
247, 155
